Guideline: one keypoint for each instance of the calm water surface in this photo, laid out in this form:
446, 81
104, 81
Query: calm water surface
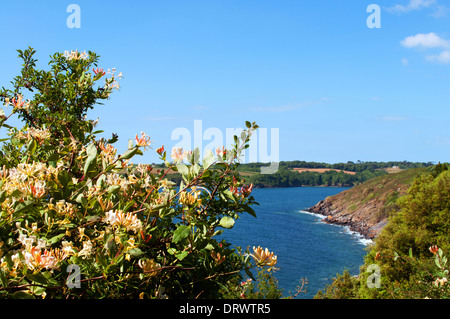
306, 247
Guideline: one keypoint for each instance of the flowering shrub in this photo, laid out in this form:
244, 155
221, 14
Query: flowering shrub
69, 199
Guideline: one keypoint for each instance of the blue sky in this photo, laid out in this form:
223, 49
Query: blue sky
335, 89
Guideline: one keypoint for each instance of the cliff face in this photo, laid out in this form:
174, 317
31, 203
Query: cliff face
366, 207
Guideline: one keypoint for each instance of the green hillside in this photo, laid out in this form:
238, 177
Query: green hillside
408, 257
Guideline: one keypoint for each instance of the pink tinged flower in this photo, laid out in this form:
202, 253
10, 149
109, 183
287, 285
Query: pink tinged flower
247, 190
221, 151
160, 150
178, 154
434, 249
143, 141
99, 71
18, 102
38, 190
128, 220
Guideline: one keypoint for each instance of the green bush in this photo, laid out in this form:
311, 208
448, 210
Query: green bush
410, 249
69, 202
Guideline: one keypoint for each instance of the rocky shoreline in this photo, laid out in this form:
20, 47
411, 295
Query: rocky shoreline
355, 222
366, 207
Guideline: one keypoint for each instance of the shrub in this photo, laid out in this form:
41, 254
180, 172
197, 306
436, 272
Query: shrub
70, 203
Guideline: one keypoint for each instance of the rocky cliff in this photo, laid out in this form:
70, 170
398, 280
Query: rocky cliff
366, 207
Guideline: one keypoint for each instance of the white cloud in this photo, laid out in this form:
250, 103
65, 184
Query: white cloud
275, 109
444, 57
405, 62
413, 5
430, 40
289, 107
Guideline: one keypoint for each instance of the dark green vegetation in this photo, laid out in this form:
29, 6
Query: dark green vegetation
408, 268
286, 176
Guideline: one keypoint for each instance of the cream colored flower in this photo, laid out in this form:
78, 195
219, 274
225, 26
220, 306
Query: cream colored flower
143, 141
264, 257
178, 154
87, 249
149, 265
440, 282
128, 220
75, 55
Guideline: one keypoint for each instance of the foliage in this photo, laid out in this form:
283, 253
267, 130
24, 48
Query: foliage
410, 249
69, 201
343, 287
288, 178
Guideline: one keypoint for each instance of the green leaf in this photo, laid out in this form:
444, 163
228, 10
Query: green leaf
226, 222
39, 278
56, 238
130, 153
113, 189
91, 150
208, 159
181, 255
22, 295
181, 233
2, 196
32, 145
135, 252
90, 161
249, 210
3, 278
183, 169
64, 178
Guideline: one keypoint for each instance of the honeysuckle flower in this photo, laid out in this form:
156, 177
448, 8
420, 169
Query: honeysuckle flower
160, 150
38, 190
67, 248
246, 190
149, 265
264, 257
189, 199
40, 135
128, 220
143, 141
217, 257
178, 154
19, 103
99, 71
221, 151
434, 249
75, 55
440, 282
87, 249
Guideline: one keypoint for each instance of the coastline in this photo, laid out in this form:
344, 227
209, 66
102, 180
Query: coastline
356, 224
362, 238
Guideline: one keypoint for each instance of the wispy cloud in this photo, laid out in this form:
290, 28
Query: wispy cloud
417, 5
430, 41
275, 109
413, 5
443, 58
289, 107
160, 118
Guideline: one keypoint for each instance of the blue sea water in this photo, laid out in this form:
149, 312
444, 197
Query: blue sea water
306, 247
